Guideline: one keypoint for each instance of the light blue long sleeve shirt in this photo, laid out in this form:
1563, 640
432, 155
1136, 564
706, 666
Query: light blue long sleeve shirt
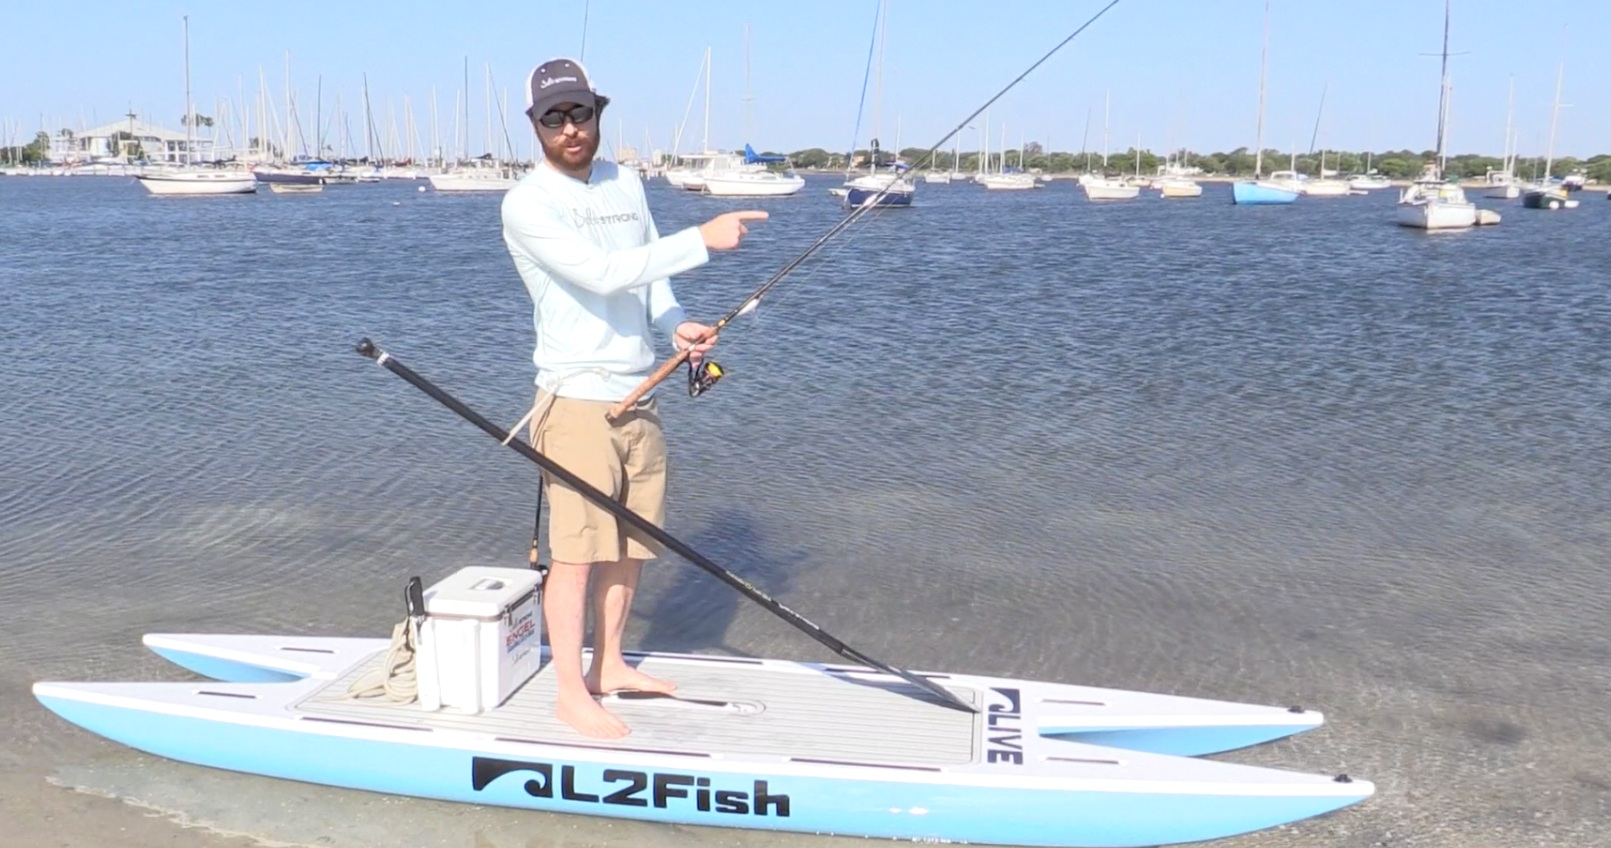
596, 270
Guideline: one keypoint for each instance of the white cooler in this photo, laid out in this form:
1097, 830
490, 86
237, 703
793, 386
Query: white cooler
482, 638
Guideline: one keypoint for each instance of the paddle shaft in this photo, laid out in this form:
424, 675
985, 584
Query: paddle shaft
649, 528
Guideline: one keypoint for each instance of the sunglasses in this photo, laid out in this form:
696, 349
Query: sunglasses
556, 118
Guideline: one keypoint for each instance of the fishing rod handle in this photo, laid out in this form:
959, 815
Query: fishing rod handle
659, 376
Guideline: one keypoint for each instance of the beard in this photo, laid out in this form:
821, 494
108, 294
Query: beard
560, 154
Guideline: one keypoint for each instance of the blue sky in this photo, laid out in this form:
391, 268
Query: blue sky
1181, 72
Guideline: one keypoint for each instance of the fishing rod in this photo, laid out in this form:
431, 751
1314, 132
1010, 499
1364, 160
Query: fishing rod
649, 528
698, 380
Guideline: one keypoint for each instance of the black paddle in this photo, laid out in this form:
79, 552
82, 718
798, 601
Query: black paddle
390, 363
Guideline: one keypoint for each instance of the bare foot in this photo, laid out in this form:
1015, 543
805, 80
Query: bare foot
627, 678
584, 714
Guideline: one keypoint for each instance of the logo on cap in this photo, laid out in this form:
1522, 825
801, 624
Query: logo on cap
555, 81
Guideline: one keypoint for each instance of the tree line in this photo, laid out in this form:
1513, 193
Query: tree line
1394, 164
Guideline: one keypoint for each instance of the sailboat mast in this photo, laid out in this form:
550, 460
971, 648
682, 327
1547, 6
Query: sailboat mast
878, 82
706, 140
1107, 101
1555, 115
190, 112
747, 97
1443, 89
1084, 138
1510, 114
286, 150
1264, 60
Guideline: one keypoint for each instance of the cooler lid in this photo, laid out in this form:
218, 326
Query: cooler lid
480, 591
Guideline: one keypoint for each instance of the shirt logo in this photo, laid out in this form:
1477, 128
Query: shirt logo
587, 217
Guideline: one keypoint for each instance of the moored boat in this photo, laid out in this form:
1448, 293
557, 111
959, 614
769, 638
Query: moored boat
1257, 191
750, 177
886, 188
191, 179
752, 183
1009, 181
477, 178
1548, 196
1368, 182
1176, 188
198, 181
1547, 193
1433, 202
1501, 185
1109, 188
1261, 193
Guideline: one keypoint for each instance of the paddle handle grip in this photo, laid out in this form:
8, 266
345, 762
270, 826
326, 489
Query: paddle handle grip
659, 376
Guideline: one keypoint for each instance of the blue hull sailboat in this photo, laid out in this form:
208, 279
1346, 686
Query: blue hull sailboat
1256, 192
1250, 192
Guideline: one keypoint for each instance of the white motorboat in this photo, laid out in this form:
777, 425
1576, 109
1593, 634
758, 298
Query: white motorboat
475, 178
1324, 188
1368, 182
1501, 185
690, 176
752, 182
1109, 188
1175, 188
1008, 182
939, 177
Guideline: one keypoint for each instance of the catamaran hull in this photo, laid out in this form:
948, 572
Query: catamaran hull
798, 747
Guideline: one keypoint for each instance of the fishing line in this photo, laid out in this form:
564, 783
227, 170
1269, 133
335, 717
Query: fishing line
752, 301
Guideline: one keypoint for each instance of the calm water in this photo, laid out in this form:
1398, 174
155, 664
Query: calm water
1280, 455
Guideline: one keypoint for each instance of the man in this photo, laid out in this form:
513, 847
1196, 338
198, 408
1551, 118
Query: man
581, 237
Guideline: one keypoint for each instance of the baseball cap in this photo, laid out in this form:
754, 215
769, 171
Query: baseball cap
559, 81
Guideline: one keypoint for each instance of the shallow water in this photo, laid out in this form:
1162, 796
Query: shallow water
1282, 455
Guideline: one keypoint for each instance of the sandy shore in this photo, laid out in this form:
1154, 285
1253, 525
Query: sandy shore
38, 813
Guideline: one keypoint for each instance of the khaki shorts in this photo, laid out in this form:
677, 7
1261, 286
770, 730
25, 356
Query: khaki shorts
625, 459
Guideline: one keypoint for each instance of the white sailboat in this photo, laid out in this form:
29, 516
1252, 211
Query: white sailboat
1547, 194
1322, 184
190, 179
751, 176
1257, 191
1431, 202
1005, 180
892, 187
1502, 183
485, 174
1107, 187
